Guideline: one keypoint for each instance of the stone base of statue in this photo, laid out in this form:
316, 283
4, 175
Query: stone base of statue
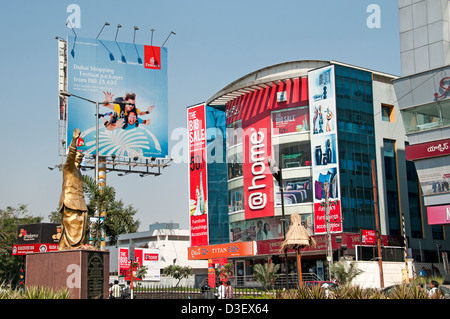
85, 273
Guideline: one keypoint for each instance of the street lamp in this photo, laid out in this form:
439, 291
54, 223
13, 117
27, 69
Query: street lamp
277, 174
67, 94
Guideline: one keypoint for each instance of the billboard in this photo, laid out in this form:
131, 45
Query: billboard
130, 83
37, 238
324, 152
438, 215
149, 258
240, 249
258, 179
198, 191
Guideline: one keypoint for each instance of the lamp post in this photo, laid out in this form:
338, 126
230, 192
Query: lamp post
277, 174
67, 94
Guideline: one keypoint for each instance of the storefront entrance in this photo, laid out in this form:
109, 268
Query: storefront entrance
239, 272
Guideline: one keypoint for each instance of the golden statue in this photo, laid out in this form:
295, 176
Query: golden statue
72, 204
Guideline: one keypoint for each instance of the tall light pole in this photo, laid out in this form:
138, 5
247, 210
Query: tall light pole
67, 94
277, 174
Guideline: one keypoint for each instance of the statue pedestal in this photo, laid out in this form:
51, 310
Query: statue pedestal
84, 272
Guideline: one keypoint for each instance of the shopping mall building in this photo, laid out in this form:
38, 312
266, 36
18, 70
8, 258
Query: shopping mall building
333, 129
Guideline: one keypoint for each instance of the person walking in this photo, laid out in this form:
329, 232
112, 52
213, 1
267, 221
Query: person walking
116, 291
228, 291
221, 291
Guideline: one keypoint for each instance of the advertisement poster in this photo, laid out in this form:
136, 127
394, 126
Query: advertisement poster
438, 215
434, 175
149, 258
258, 179
324, 152
37, 238
290, 121
368, 237
132, 79
256, 229
198, 201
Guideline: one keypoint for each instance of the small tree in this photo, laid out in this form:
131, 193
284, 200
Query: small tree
178, 272
10, 219
345, 274
266, 274
141, 271
225, 272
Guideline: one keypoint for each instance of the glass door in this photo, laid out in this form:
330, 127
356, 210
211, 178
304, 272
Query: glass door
240, 272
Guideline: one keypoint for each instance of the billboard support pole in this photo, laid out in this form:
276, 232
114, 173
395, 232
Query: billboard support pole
96, 141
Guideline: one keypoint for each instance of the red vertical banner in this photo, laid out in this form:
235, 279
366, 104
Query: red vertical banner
258, 180
198, 201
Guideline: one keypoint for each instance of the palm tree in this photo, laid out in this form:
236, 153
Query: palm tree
266, 274
100, 199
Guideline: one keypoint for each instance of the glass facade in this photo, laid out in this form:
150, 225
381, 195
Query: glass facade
217, 177
426, 117
390, 179
415, 203
356, 142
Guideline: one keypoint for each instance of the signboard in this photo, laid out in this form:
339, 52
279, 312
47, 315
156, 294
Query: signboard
438, 215
324, 151
256, 229
258, 179
144, 257
368, 237
34, 238
133, 79
198, 191
434, 175
221, 251
290, 121
427, 150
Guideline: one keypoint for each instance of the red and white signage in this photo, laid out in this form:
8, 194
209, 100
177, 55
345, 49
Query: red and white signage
258, 179
368, 237
320, 225
290, 121
144, 257
426, 150
198, 207
33, 248
152, 57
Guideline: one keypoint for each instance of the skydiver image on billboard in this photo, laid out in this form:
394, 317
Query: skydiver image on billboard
124, 113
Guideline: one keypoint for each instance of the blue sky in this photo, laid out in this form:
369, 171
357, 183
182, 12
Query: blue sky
216, 42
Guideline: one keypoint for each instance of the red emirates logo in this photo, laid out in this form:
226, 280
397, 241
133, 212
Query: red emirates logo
152, 57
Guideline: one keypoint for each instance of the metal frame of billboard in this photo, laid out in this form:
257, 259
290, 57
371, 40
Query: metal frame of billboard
119, 164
